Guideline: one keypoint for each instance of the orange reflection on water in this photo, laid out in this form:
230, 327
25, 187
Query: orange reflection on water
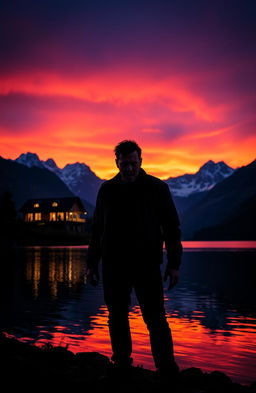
231, 350
62, 267
218, 245
194, 344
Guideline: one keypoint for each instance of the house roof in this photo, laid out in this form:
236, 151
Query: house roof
45, 205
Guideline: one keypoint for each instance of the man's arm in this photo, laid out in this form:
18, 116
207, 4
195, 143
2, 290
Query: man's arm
94, 249
171, 236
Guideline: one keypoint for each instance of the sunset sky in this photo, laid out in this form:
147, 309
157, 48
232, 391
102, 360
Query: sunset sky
179, 77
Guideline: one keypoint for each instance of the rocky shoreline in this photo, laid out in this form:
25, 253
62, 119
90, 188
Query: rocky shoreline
26, 366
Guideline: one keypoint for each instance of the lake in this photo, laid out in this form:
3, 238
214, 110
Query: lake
212, 310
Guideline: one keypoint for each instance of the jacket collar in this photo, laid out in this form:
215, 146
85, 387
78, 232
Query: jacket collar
142, 174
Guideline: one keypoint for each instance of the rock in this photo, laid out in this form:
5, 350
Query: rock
12, 346
57, 355
217, 382
219, 378
92, 359
193, 377
91, 364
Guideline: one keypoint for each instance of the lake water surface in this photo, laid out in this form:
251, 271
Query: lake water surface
212, 311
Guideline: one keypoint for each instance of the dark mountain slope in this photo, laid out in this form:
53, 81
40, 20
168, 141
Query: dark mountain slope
34, 182
225, 202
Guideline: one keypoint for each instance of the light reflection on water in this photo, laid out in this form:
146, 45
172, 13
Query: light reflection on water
211, 312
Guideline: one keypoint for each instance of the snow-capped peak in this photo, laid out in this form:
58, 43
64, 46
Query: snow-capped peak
78, 166
207, 177
29, 159
213, 168
72, 174
50, 164
208, 165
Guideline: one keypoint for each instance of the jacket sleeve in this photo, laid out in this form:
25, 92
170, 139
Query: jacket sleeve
95, 248
171, 229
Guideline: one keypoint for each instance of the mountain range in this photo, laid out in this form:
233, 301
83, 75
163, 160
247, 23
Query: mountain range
78, 177
210, 202
81, 180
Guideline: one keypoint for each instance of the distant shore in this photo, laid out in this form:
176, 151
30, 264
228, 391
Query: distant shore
28, 366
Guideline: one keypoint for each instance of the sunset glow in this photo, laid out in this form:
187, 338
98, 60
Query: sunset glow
77, 79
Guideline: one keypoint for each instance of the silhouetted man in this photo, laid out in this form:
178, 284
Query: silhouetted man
134, 215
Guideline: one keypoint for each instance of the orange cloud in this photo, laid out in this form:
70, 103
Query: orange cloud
81, 119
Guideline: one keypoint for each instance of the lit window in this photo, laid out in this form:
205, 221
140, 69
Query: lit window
36, 204
29, 217
52, 216
70, 216
60, 216
54, 204
37, 216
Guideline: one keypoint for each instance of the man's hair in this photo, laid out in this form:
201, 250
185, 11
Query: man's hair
127, 147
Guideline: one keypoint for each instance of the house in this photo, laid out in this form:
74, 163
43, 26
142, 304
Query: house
69, 210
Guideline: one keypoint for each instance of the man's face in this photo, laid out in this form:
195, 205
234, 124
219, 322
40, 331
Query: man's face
129, 166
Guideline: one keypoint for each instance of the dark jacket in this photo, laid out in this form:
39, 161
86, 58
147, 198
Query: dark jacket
131, 222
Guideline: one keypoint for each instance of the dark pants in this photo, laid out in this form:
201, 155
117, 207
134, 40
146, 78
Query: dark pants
147, 283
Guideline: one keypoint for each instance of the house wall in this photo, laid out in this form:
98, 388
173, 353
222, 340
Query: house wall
73, 215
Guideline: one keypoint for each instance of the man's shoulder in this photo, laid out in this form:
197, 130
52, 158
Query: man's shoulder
155, 181
109, 184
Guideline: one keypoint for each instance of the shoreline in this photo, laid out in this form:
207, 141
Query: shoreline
29, 366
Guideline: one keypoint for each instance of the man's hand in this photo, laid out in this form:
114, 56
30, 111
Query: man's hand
92, 276
173, 274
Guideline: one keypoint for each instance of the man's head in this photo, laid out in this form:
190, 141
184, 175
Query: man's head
128, 160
